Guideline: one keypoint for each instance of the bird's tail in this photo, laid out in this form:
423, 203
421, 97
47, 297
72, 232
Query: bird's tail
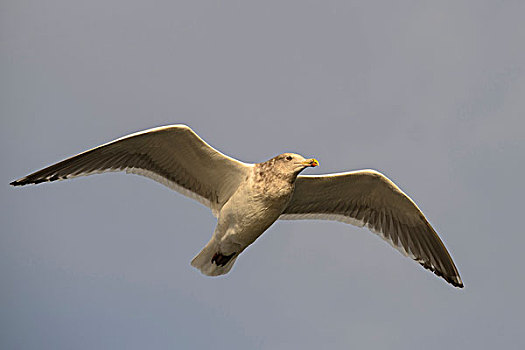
211, 262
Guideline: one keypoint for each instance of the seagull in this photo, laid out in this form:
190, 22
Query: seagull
248, 198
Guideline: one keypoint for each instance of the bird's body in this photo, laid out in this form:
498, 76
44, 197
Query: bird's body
251, 210
248, 198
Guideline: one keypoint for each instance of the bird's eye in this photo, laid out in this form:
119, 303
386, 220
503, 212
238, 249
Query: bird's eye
289, 158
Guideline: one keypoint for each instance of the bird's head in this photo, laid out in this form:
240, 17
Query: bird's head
293, 163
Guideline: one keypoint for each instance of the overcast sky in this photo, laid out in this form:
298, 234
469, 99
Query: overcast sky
430, 93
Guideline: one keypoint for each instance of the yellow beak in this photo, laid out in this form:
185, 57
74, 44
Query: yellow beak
311, 162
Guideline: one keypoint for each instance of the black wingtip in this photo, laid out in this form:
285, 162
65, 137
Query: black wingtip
35, 180
22, 182
454, 280
455, 283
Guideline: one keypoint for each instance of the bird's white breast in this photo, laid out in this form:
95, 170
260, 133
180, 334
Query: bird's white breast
253, 208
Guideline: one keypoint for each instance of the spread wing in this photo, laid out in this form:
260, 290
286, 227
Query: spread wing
369, 198
172, 155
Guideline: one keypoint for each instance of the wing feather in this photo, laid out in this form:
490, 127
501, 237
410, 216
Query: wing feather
369, 198
172, 155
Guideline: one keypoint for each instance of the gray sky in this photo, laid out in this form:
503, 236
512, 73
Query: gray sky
429, 93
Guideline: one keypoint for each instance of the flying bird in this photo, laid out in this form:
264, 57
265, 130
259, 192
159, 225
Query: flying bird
248, 198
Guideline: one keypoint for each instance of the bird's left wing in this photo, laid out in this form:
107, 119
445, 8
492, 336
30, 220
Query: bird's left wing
369, 198
172, 155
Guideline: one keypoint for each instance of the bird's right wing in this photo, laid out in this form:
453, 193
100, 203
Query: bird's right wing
172, 155
367, 197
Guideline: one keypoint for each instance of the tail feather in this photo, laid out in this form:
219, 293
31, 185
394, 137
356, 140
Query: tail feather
211, 262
